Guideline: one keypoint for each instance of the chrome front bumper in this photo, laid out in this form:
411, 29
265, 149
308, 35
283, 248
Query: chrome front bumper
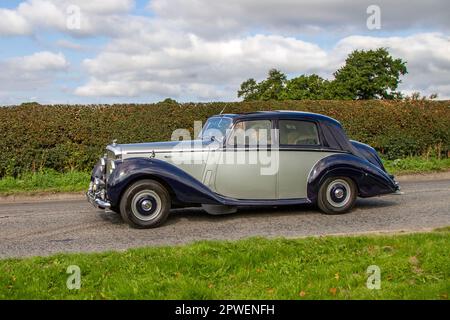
96, 195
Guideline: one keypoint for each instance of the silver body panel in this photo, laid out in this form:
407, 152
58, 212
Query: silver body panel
294, 170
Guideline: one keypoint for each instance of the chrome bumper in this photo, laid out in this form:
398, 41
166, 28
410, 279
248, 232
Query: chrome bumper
96, 196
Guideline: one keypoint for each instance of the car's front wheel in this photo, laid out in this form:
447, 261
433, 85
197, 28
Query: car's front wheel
145, 204
337, 195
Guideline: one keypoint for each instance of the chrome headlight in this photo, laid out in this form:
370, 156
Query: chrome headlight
112, 166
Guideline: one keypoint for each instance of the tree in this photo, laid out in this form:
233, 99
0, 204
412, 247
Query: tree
273, 87
372, 74
30, 104
270, 89
168, 101
306, 87
249, 90
417, 96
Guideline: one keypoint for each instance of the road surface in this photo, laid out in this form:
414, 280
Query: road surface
30, 228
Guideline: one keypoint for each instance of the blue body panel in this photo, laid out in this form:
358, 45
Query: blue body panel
370, 180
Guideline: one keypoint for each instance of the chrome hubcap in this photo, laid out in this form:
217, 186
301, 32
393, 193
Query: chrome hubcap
146, 205
338, 193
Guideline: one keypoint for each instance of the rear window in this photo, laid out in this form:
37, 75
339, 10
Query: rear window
298, 133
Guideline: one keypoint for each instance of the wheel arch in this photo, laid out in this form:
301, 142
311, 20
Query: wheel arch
369, 180
146, 176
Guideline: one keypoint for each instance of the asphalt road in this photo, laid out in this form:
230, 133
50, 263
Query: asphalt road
31, 228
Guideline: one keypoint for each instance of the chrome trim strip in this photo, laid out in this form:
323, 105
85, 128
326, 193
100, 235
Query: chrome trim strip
237, 149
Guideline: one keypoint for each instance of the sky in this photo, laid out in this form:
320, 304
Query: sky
125, 51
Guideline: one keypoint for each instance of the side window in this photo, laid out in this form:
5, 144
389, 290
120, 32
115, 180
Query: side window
251, 133
295, 132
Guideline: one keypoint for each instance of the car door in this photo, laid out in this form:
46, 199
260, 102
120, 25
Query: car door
244, 170
300, 149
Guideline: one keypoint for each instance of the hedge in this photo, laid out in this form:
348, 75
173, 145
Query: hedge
71, 137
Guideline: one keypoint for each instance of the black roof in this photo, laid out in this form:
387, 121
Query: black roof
282, 114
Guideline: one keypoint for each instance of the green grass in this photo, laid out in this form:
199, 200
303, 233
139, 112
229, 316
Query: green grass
413, 266
47, 181
73, 181
416, 165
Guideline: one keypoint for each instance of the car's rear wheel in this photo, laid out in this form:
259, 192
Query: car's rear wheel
337, 195
145, 204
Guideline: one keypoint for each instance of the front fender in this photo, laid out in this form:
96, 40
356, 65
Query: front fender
186, 188
370, 179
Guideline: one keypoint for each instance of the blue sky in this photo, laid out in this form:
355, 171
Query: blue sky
145, 51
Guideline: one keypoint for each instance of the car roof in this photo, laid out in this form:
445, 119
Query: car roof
281, 114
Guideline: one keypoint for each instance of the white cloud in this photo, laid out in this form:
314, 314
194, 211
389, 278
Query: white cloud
193, 66
221, 19
96, 17
427, 56
126, 88
31, 72
12, 23
39, 61
203, 50
225, 18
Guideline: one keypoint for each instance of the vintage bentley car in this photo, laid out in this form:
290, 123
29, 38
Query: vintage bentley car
270, 158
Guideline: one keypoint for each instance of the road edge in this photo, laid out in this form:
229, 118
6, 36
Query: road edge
61, 196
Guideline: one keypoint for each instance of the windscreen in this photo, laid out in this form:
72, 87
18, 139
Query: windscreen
215, 127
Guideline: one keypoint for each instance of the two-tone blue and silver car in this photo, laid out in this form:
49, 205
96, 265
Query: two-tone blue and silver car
253, 159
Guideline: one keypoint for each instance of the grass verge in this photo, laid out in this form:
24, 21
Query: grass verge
73, 181
46, 181
413, 266
416, 165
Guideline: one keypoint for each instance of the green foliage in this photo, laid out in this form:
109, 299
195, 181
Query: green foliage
371, 74
168, 101
416, 165
305, 87
249, 90
45, 181
273, 88
27, 104
418, 96
413, 266
66, 138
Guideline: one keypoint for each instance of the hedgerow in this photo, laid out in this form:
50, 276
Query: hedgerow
72, 137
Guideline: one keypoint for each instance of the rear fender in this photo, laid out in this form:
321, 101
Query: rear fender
370, 179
